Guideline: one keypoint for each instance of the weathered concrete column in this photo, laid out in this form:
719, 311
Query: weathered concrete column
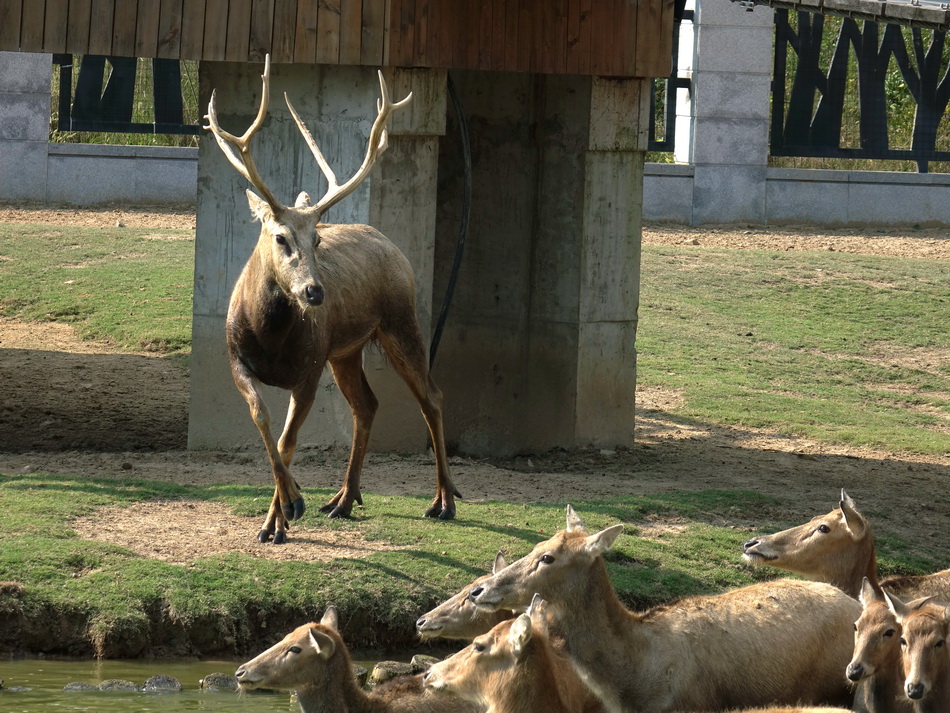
339, 105
25, 81
727, 140
539, 348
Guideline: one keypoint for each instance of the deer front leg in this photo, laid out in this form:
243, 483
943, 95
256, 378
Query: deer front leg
287, 503
349, 377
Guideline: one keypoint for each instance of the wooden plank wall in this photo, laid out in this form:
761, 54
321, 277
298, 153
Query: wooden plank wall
595, 37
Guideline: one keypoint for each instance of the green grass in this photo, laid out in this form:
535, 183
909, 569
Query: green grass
131, 287
811, 344
127, 599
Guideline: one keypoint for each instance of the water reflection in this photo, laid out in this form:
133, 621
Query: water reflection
46, 679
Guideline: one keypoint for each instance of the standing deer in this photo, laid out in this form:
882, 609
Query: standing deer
876, 664
313, 661
313, 293
924, 652
783, 642
838, 548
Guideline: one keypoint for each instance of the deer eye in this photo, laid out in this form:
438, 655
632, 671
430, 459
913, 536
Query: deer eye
903, 641
889, 633
294, 649
479, 647
855, 625
546, 559
824, 529
940, 643
280, 239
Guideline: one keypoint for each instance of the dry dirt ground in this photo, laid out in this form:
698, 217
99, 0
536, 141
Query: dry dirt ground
81, 408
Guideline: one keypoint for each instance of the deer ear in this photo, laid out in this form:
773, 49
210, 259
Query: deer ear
322, 644
520, 634
259, 207
303, 200
918, 603
602, 541
869, 593
331, 618
574, 523
536, 610
898, 608
499, 563
855, 521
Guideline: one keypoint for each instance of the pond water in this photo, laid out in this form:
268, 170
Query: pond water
46, 678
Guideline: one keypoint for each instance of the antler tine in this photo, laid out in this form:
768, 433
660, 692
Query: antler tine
314, 149
237, 149
378, 143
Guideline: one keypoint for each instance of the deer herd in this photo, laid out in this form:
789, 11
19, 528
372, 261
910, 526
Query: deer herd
548, 632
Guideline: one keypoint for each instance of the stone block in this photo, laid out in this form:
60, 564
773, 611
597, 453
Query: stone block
730, 142
24, 116
723, 12
23, 170
87, 180
743, 49
807, 199
730, 95
729, 194
26, 72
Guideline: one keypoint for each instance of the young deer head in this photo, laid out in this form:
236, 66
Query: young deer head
312, 293
877, 634
512, 669
458, 617
837, 548
926, 659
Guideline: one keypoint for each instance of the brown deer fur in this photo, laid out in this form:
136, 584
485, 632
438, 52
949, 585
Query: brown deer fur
924, 653
784, 642
876, 663
311, 294
838, 548
512, 669
313, 661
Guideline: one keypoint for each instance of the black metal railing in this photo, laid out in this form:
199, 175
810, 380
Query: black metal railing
808, 119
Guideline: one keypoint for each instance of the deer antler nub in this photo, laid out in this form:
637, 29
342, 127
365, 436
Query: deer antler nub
241, 157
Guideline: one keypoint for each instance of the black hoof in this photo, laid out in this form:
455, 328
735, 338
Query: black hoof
329, 507
340, 514
447, 513
264, 535
294, 510
434, 511
280, 537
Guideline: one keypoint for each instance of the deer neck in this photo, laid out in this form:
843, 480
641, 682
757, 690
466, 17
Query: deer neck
600, 634
881, 693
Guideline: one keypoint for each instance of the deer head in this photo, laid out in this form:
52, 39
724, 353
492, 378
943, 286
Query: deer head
290, 237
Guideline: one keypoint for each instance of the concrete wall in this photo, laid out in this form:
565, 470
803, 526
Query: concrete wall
33, 169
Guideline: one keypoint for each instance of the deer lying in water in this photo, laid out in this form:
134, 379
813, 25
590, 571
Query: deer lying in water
775, 642
924, 653
458, 617
838, 548
512, 669
313, 293
313, 661
876, 664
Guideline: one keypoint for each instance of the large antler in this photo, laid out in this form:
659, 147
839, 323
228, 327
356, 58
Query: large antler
237, 149
378, 143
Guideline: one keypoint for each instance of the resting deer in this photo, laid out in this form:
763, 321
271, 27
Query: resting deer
838, 548
924, 654
784, 642
313, 661
512, 669
313, 293
876, 664
458, 617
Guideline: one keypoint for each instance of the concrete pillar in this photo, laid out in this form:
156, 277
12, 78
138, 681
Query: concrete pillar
539, 348
25, 82
728, 113
339, 105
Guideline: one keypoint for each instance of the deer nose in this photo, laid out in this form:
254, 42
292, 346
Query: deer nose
749, 544
314, 294
855, 671
915, 691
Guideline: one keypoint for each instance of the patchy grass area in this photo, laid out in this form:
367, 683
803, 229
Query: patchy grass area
119, 604
844, 349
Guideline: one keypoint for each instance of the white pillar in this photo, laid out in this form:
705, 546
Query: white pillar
25, 83
727, 139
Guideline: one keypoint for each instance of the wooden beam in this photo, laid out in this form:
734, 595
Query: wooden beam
285, 22
31, 28
328, 32
373, 32
101, 19
215, 30
192, 29
238, 37
11, 11
54, 30
351, 31
169, 29
146, 29
260, 40
305, 33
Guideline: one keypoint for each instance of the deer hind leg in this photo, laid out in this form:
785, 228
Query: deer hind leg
407, 355
286, 493
351, 380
